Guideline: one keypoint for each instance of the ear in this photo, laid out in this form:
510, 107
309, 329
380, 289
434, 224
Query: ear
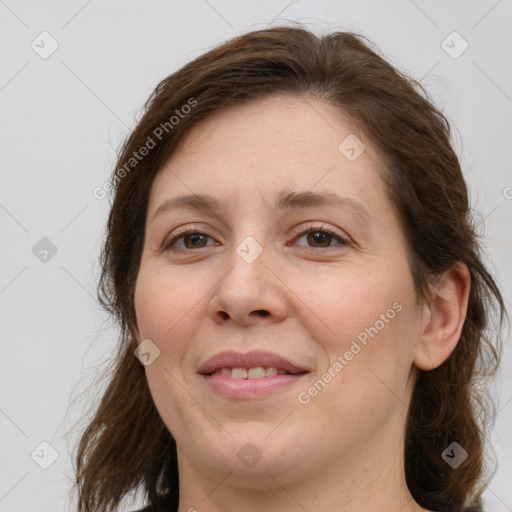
443, 316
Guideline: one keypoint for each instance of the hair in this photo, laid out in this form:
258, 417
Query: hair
126, 447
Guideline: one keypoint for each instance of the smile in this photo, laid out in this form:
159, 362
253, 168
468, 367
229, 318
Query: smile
254, 374
257, 372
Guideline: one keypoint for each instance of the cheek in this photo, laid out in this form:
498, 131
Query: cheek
371, 357
163, 304
167, 315
367, 322
339, 306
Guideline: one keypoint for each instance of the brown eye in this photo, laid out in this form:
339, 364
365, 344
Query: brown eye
194, 240
188, 240
321, 238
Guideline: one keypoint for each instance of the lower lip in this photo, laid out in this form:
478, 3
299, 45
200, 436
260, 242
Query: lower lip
249, 388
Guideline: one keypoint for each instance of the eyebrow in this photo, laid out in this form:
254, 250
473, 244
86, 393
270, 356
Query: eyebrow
285, 201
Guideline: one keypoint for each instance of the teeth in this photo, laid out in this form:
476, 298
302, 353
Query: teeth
258, 372
239, 373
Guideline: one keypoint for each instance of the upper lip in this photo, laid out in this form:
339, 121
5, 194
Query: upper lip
231, 359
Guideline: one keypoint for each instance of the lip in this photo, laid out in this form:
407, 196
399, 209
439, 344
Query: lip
249, 388
231, 359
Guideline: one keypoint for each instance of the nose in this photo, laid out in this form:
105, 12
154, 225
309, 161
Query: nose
249, 293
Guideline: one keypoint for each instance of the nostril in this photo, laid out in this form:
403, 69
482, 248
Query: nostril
262, 312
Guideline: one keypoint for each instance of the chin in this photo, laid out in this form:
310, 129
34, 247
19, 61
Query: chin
250, 457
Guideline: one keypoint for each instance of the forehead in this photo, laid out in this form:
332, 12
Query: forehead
259, 148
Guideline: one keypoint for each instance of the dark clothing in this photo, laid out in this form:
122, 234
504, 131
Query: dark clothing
149, 508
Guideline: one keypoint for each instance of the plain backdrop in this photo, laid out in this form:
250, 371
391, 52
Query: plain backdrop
73, 78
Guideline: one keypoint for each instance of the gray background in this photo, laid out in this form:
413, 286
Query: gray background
62, 120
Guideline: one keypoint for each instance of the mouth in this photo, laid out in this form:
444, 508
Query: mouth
254, 374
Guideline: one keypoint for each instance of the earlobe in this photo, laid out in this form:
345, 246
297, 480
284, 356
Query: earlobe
443, 317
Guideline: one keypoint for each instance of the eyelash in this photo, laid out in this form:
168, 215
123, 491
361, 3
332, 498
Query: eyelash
312, 229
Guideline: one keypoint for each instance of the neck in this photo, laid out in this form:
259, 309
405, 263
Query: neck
227, 495
371, 478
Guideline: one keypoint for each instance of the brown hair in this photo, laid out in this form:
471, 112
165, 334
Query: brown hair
127, 446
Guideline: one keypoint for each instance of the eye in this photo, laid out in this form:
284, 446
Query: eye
317, 237
188, 239
322, 237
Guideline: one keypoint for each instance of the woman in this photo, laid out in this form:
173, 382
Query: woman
300, 293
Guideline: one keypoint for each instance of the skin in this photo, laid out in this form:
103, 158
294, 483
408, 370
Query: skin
304, 299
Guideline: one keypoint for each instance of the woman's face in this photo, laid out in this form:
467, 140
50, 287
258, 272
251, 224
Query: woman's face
302, 257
